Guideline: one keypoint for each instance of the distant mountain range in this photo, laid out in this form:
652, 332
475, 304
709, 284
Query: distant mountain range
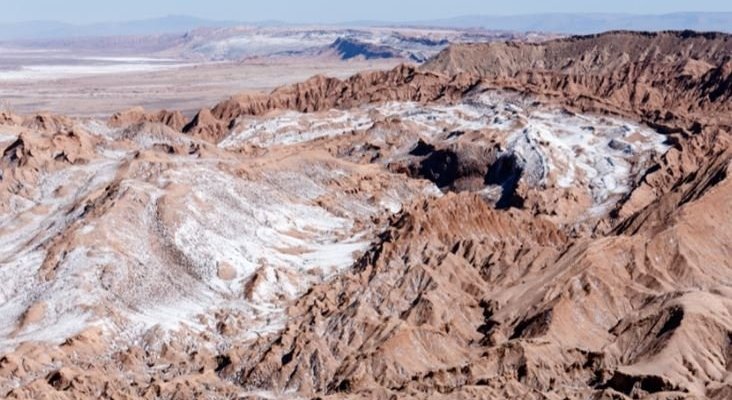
592, 23
557, 23
33, 30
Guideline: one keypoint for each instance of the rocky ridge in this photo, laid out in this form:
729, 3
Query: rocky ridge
455, 296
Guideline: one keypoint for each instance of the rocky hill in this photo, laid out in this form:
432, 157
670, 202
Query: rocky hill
509, 220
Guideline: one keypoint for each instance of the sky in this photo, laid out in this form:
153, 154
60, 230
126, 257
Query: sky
299, 11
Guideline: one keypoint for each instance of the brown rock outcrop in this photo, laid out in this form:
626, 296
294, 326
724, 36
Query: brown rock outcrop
633, 314
679, 79
404, 83
173, 119
453, 298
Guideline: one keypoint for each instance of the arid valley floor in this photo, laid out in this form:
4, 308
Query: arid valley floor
373, 214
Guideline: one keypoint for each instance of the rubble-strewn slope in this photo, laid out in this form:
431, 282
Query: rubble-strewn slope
661, 77
678, 82
570, 252
499, 306
404, 83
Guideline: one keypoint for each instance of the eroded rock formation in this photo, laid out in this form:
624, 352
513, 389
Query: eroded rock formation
507, 221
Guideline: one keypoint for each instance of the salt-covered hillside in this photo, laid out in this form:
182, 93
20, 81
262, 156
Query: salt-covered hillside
129, 229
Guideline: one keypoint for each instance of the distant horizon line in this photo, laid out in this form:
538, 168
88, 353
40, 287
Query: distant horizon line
345, 22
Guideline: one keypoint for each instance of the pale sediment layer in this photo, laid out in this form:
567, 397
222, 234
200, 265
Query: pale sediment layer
418, 233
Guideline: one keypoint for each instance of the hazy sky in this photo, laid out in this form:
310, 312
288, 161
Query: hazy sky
84, 11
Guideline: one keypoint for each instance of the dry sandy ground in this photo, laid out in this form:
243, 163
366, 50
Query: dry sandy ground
186, 89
